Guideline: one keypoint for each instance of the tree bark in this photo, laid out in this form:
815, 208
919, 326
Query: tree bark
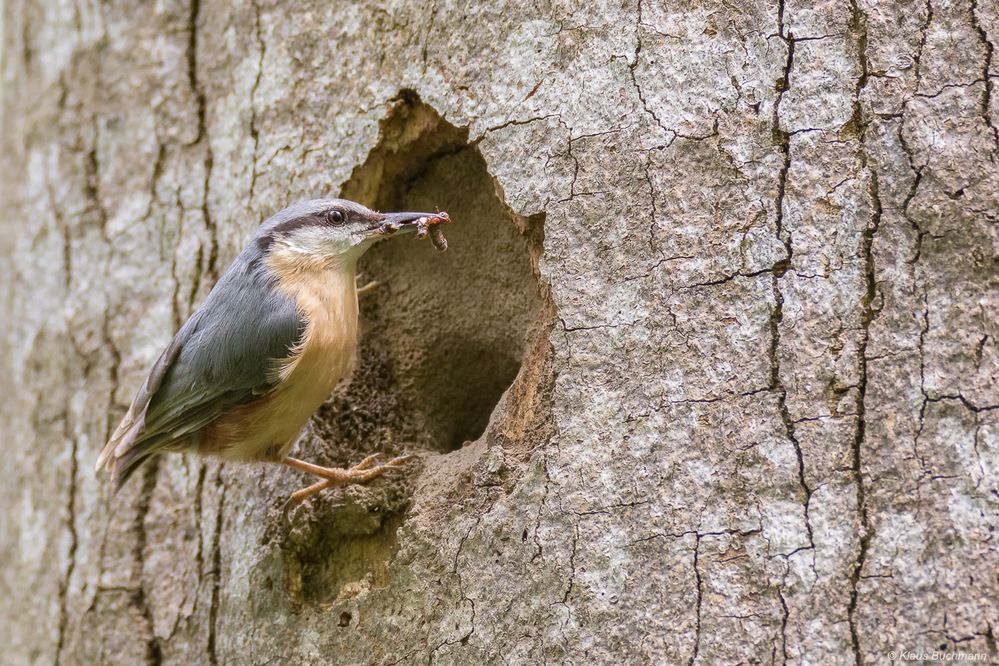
717, 361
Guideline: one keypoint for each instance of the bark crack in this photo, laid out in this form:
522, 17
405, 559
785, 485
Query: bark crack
910, 153
213, 657
175, 313
923, 331
202, 136
633, 65
575, 173
911, 194
513, 123
785, 615
254, 130
154, 654
654, 224
73, 538
986, 103
67, 259
428, 35
698, 599
541, 507
858, 26
783, 140
463, 640
572, 564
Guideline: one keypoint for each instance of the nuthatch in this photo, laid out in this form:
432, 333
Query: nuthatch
254, 362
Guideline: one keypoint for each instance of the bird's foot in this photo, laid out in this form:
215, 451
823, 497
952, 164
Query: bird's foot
334, 477
367, 287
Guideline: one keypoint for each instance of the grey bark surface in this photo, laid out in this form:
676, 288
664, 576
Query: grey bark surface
731, 301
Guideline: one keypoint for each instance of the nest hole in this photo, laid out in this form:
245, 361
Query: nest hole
445, 334
443, 337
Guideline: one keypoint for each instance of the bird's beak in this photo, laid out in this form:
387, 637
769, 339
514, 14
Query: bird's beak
393, 223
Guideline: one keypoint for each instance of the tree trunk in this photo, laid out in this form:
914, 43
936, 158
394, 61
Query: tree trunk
708, 374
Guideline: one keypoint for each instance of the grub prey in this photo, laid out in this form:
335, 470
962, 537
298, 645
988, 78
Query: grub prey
431, 226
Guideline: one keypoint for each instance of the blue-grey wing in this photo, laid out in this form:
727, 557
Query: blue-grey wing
226, 354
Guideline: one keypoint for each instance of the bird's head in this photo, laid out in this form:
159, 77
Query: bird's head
332, 232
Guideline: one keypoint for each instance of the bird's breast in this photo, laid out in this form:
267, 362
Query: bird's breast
268, 428
328, 304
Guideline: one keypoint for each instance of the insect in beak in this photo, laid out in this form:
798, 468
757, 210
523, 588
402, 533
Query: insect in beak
422, 223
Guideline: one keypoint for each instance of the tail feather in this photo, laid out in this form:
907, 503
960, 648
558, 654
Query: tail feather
135, 448
124, 466
126, 450
130, 445
123, 437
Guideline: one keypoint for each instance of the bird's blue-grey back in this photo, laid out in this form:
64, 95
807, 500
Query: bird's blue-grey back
226, 354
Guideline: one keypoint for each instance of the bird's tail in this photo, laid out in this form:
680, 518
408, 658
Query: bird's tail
122, 454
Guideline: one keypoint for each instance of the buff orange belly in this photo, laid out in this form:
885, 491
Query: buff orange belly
267, 428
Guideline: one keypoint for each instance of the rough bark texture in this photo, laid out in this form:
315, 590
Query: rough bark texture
738, 261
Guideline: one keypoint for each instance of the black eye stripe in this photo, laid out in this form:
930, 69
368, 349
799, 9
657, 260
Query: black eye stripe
321, 217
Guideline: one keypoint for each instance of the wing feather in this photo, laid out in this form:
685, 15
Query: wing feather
223, 356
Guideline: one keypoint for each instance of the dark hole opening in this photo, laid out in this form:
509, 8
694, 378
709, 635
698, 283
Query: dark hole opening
444, 334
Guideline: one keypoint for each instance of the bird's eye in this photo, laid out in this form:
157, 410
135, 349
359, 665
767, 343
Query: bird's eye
335, 216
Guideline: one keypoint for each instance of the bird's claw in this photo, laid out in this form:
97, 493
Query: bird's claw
364, 471
368, 286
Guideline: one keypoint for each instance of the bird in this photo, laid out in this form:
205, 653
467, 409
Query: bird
253, 363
